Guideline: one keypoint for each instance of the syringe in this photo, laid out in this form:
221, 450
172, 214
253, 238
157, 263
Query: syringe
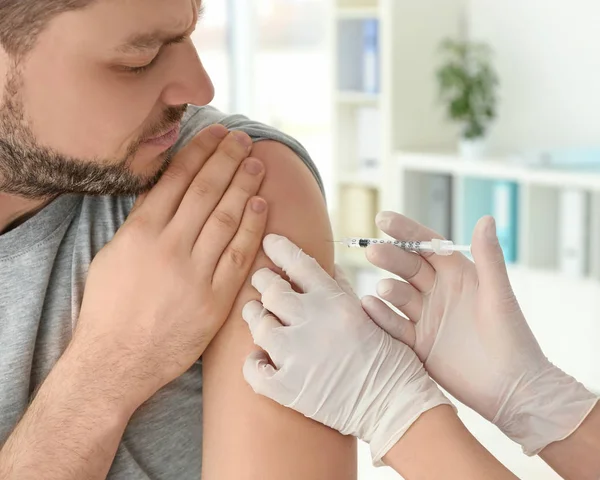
437, 246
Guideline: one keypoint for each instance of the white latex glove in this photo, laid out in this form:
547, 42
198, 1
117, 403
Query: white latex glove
330, 361
466, 325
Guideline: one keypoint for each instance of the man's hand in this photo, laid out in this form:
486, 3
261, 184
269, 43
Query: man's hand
155, 297
466, 325
157, 294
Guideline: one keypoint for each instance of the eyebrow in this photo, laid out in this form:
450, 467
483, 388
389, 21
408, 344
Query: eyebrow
143, 42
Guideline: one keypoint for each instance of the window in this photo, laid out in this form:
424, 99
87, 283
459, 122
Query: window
269, 60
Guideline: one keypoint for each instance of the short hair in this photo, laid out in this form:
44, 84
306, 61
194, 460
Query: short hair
22, 21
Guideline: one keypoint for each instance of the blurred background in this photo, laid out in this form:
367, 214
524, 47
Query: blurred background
444, 110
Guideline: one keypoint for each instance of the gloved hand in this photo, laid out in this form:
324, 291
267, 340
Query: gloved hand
330, 361
466, 326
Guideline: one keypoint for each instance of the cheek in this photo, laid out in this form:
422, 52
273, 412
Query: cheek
3, 72
84, 112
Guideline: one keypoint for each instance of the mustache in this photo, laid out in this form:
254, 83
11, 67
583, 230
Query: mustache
171, 117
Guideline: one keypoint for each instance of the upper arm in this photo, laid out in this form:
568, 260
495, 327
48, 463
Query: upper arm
247, 436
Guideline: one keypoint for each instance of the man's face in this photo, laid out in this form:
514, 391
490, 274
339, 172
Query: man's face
76, 115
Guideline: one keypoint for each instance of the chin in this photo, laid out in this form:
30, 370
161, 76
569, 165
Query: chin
149, 163
149, 169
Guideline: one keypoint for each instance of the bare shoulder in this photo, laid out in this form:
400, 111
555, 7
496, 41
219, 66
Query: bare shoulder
297, 206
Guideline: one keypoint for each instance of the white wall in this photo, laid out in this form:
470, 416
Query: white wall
548, 57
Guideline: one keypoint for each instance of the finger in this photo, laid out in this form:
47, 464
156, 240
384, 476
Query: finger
225, 220
237, 259
208, 186
265, 278
343, 282
264, 328
403, 228
139, 201
489, 258
397, 326
264, 379
302, 269
403, 296
410, 266
164, 199
278, 296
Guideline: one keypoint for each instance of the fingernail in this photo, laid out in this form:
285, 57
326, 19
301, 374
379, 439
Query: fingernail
384, 288
270, 243
272, 237
259, 205
246, 312
218, 131
367, 301
243, 139
253, 166
490, 230
251, 310
262, 279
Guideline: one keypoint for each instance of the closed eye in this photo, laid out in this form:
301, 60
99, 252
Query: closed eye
144, 68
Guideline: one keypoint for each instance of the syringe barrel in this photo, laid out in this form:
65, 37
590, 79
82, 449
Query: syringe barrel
442, 247
437, 246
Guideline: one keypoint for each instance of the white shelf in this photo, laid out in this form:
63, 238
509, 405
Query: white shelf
506, 168
357, 98
412, 120
357, 13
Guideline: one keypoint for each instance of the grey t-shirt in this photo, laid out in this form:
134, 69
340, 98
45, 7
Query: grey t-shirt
43, 267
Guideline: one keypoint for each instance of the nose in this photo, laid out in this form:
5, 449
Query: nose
190, 83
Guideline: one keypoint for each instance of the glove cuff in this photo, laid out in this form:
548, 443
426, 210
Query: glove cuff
416, 398
547, 409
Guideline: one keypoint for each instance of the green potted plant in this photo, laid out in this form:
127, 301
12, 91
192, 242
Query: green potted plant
468, 86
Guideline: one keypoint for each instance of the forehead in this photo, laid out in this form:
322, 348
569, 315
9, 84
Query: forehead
151, 39
118, 15
110, 23
169, 14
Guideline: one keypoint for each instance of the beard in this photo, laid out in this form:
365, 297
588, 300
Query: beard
32, 171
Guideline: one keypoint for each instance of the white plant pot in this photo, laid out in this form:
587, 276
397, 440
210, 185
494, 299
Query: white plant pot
472, 149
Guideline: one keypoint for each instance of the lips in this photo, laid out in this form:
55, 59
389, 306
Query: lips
165, 132
166, 140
